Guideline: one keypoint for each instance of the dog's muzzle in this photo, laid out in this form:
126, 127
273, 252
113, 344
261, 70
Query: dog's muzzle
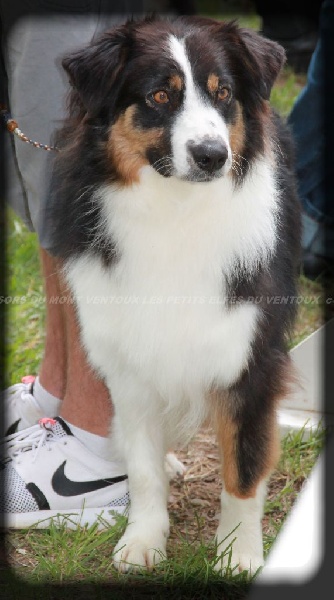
210, 156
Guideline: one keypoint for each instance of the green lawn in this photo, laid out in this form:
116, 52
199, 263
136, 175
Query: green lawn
25, 316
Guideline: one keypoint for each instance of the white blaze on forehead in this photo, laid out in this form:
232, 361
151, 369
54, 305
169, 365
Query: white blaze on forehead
198, 119
180, 56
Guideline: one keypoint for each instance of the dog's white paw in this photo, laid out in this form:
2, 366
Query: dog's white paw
239, 533
240, 549
136, 551
239, 561
173, 466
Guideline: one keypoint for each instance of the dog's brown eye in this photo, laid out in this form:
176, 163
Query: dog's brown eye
223, 93
161, 97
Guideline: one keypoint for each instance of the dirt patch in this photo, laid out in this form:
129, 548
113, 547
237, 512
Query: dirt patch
194, 502
196, 495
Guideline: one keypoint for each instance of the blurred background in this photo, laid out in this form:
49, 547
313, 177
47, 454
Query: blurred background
294, 24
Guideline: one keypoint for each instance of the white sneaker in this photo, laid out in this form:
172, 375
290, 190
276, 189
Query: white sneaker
20, 407
49, 474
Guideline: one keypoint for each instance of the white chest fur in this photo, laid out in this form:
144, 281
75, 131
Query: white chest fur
160, 312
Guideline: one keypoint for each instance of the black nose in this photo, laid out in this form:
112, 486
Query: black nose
210, 155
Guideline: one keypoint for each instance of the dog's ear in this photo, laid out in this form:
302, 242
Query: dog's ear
94, 70
254, 56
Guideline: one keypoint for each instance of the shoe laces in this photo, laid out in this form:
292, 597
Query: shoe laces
22, 391
29, 440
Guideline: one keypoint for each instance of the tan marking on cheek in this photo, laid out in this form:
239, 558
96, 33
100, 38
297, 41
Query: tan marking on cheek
175, 82
237, 132
127, 145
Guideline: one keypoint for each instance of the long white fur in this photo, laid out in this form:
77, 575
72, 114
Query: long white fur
156, 325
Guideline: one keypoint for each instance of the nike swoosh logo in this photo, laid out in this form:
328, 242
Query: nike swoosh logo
65, 487
12, 428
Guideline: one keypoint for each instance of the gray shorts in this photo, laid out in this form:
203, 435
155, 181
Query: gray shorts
37, 90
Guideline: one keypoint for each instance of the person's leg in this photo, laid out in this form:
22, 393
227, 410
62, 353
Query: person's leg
310, 123
86, 401
32, 46
306, 121
69, 463
52, 372
65, 374
65, 371
40, 396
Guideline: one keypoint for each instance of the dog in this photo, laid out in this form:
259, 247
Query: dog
175, 206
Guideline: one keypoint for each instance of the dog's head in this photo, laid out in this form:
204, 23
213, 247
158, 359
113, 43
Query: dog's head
187, 97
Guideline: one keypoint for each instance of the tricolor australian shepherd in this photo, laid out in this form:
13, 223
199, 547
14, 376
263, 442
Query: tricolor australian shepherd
176, 208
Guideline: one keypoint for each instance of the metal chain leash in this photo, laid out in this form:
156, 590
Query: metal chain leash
12, 127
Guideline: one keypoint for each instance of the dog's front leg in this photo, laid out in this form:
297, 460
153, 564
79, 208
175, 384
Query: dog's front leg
246, 427
139, 430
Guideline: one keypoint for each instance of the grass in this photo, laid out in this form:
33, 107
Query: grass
83, 555
285, 91
59, 556
298, 456
26, 312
